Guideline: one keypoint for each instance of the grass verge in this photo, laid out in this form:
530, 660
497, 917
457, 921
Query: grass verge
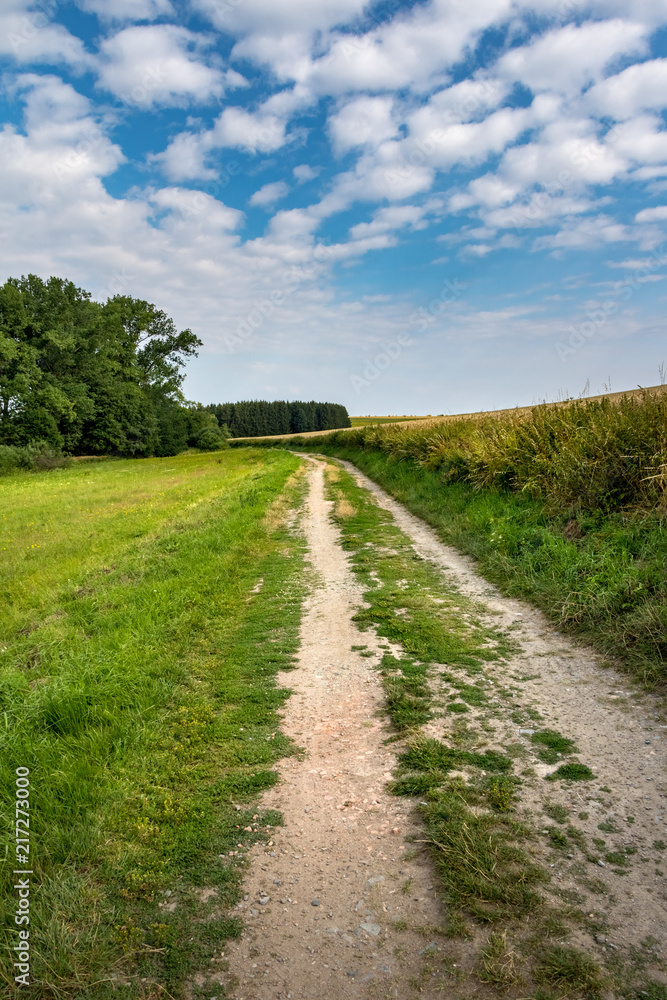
138, 686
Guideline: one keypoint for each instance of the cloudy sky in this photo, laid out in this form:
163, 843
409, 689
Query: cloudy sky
408, 207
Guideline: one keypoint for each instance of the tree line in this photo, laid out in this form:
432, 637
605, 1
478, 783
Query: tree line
255, 418
87, 378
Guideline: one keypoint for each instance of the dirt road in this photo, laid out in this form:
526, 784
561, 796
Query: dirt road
340, 905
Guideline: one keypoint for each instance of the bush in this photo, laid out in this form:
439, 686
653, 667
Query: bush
33, 457
212, 440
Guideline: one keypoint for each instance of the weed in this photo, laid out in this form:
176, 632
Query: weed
557, 837
500, 792
608, 826
572, 772
554, 745
556, 811
659, 845
570, 971
456, 926
499, 962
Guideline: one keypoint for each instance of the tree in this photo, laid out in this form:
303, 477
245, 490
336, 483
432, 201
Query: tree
88, 377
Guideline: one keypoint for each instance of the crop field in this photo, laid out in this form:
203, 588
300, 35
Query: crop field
364, 421
136, 672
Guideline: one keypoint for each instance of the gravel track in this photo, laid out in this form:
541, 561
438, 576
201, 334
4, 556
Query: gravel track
339, 905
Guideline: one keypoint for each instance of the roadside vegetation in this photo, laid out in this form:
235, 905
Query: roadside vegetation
564, 506
147, 608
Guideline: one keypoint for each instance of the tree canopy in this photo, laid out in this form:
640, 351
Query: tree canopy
87, 377
91, 378
254, 418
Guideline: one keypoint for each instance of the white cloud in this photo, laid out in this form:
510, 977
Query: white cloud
184, 158
636, 263
642, 87
570, 58
641, 140
412, 49
127, 10
658, 214
255, 16
365, 121
65, 148
260, 131
151, 65
304, 172
269, 194
184, 204
28, 36
585, 234
393, 217
251, 131
464, 142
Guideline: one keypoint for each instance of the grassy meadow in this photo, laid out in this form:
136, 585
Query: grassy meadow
563, 505
147, 607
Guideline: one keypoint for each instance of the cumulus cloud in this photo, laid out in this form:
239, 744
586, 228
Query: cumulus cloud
304, 172
269, 194
29, 36
260, 131
386, 219
570, 58
585, 234
64, 147
127, 10
657, 214
251, 131
162, 64
254, 16
642, 87
366, 121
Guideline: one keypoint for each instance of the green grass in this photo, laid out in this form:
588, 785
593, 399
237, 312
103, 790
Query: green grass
157, 601
572, 772
571, 972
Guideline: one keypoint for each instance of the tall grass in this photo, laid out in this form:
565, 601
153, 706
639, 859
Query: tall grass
589, 455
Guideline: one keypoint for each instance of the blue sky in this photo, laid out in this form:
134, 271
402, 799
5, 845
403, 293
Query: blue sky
405, 207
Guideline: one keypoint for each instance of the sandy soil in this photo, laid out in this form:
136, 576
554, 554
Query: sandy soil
333, 906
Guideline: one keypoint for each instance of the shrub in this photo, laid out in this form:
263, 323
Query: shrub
33, 457
211, 440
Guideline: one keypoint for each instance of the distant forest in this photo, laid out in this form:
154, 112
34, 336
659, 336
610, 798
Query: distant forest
255, 418
79, 377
